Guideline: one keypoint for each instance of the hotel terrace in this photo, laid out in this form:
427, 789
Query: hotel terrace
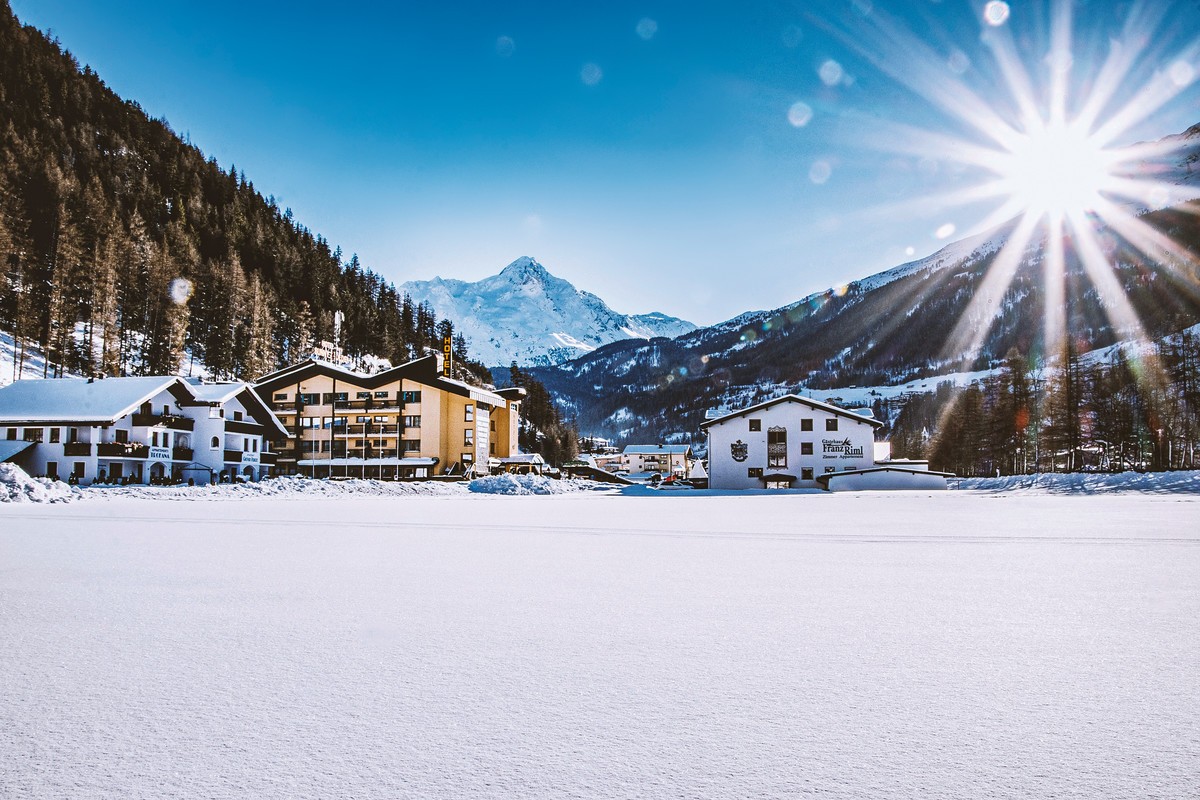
406, 422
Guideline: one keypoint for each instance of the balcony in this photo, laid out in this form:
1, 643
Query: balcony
242, 426
267, 458
172, 421
77, 449
182, 454
234, 456
122, 450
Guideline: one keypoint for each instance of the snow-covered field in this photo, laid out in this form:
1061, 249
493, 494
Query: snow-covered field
958, 644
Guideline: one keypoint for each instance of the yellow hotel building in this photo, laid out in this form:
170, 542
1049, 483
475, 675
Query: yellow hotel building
405, 422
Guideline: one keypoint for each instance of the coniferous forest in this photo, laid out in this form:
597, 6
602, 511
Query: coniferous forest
124, 250
123, 245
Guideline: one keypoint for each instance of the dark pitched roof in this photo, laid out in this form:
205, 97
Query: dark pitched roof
422, 370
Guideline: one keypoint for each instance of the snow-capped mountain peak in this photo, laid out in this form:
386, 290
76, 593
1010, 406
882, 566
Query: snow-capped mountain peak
528, 315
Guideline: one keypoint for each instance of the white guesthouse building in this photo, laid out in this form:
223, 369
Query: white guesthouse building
136, 430
787, 443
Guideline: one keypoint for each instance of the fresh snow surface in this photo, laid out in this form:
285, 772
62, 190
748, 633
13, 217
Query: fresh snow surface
934, 645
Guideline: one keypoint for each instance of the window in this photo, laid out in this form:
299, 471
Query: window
154, 439
336, 397
492, 425
492, 448
215, 444
12, 434
237, 416
754, 472
831, 424
756, 424
412, 421
806, 473
279, 396
410, 445
806, 424
469, 413
73, 436
363, 395
52, 470
469, 437
468, 458
33, 434
806, 448
777, 447
122, 436
55, 435
412, 397
309, 399
381, 395
77, 469
380, 420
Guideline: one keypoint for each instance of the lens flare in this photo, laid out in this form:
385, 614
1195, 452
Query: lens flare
1041, 125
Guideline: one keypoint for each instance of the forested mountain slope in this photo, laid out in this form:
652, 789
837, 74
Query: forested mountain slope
121, 243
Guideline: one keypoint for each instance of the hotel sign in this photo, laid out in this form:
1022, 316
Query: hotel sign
249, 458
840, 448
160, 454
447, 354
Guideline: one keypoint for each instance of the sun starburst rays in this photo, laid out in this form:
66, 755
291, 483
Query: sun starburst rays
1041, 155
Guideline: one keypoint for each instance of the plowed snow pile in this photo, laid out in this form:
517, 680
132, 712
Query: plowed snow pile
1184, 482
301, 488
18, 487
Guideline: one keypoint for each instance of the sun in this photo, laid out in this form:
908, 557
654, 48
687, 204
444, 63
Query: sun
1058, 171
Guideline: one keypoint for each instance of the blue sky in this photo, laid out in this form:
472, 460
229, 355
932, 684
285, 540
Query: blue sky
643, 151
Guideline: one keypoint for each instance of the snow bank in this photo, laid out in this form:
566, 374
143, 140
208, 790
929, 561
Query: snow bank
529, 484
1088, 483
307, 488
17, 487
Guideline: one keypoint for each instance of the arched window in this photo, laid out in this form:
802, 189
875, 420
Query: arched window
776, 447
216, 443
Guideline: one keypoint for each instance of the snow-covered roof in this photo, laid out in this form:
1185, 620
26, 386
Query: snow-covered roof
8, 448
520, 458
657, 449
222, 393
793, 398
80, 400
217, 392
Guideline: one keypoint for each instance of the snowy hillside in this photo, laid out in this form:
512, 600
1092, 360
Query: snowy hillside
527, 315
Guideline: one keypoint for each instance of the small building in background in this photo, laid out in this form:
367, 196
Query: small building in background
665, 459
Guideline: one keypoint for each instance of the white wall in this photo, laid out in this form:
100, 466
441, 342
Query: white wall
830, 448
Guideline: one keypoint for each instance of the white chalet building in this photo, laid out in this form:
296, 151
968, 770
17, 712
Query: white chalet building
787, 442
136, 430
